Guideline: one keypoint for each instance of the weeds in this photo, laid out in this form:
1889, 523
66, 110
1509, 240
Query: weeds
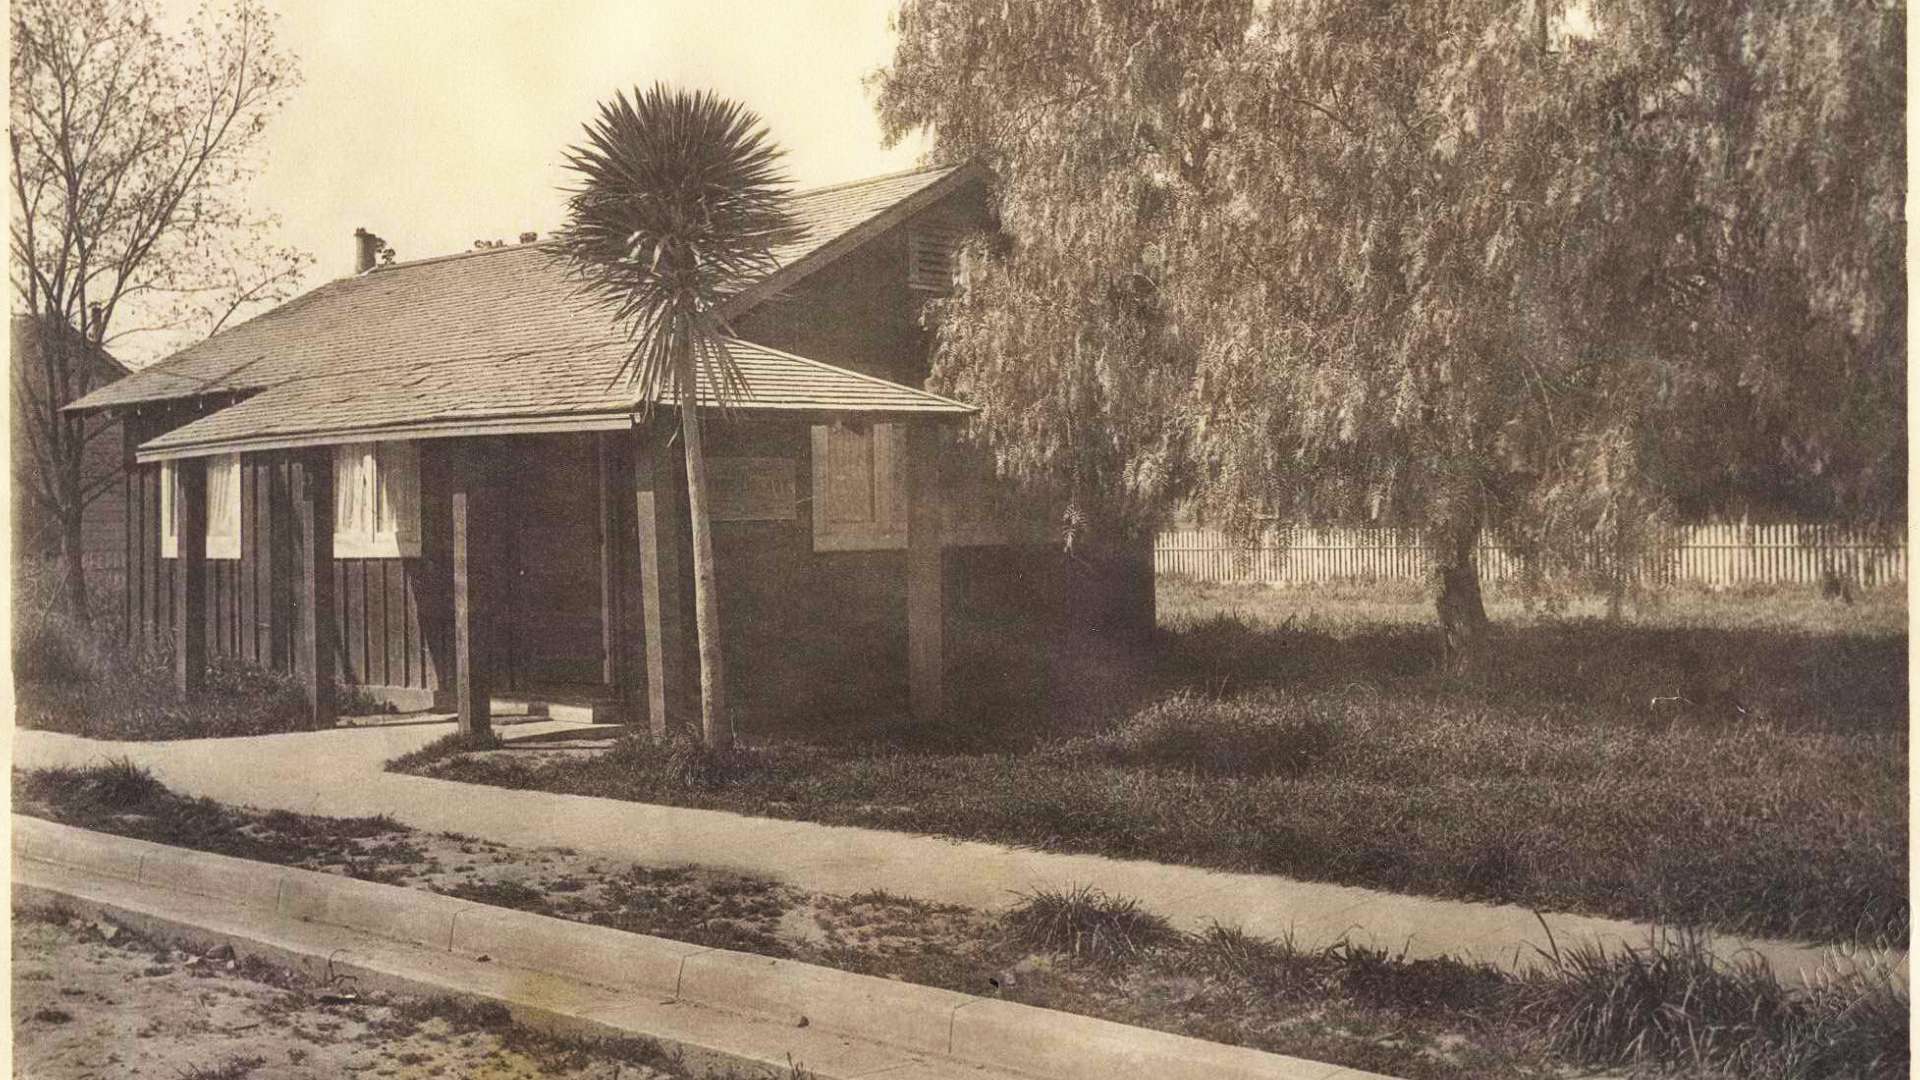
238, 1067
1087, 924
1674, 1001
1671, 1005
124, 798
86, 679
1315, 736
453, 742
116, 787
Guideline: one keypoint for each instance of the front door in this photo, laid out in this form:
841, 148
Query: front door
552, 529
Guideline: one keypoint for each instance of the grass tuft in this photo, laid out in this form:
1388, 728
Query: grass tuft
690, 763
117, 787
1087, 924
453, 742
1674, 1002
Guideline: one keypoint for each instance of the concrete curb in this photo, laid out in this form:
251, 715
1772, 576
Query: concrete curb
985, 1032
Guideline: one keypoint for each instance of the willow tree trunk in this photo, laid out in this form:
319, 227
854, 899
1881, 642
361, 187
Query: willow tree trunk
1463, 614
715, 729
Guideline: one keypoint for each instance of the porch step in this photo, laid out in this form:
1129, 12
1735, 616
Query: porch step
574, 709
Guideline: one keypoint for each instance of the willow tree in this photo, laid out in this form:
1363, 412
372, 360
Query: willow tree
1467, 265
679, 206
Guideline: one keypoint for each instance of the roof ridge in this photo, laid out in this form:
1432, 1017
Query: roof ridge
448, 257
843, 184
801, 194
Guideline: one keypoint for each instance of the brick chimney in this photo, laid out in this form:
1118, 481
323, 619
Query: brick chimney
366, 250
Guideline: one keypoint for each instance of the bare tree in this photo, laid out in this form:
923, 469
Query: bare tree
133, 143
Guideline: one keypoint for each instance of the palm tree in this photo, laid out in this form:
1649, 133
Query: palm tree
679, 206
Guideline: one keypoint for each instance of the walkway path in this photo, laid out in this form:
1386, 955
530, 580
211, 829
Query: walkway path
340, 773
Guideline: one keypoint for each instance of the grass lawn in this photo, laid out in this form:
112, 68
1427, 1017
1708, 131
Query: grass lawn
1674, 1010
1736, 761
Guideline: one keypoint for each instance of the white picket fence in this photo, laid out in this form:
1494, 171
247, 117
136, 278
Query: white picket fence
1709, 555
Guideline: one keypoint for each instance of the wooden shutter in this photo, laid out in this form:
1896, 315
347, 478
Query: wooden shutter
859, 487
223, 507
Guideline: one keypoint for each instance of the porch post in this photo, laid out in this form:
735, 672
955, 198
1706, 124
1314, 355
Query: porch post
470, 681
926, 646
313, 511
190, 580
659, 516
608, 457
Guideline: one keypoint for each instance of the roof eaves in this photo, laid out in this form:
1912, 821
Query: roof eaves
158, 448
952, 405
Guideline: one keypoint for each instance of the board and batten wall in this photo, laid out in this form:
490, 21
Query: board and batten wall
392, 639
1706, 555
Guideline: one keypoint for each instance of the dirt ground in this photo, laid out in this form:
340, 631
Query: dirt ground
91, 1000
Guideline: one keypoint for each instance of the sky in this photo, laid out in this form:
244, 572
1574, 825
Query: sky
436, 123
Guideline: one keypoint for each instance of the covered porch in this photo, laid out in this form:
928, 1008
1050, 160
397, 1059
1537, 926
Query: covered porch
549, 562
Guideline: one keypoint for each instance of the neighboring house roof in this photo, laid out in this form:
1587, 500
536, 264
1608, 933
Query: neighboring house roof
24, 339
499, 335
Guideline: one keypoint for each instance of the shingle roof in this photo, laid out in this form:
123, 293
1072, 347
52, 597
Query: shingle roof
432, 398
496, 333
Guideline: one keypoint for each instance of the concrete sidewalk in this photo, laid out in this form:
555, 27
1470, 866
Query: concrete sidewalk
705, 1003
340, 773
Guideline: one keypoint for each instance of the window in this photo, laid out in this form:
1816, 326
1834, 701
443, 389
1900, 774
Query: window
223, 508
169, 513
376, 500
859, 487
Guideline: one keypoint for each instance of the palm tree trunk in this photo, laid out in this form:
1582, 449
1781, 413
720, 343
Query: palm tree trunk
714, 727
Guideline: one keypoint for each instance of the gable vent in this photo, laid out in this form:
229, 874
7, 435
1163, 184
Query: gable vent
933, 256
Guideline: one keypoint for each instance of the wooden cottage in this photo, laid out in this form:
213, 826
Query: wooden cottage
426, 480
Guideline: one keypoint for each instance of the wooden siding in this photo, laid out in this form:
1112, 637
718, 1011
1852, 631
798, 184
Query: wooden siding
389, 627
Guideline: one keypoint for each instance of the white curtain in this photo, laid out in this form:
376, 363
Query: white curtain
223, 507
169, 512
376, 500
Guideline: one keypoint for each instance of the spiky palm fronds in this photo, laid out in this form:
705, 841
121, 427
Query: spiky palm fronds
679, 205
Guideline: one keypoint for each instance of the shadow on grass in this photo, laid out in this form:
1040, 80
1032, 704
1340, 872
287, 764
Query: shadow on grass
1697, 772
1623, 672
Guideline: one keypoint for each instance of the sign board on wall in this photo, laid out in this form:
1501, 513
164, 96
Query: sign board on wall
750, 488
